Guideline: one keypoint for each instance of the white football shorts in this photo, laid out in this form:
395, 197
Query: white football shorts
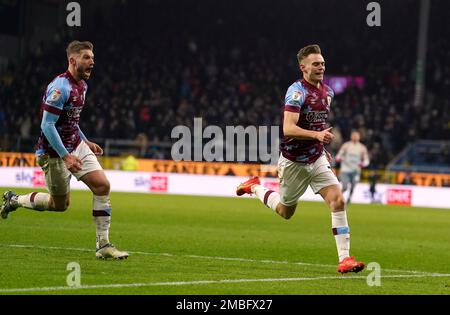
295, 177
57, 176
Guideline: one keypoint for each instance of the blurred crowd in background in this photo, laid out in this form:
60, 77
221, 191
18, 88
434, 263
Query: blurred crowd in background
160, 64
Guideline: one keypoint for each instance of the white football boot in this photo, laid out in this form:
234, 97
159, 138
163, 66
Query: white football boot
109, 251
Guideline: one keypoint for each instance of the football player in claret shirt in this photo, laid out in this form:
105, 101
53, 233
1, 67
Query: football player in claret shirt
304, 161
63, 150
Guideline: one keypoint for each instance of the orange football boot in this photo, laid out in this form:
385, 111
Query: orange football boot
349, 264
246, 187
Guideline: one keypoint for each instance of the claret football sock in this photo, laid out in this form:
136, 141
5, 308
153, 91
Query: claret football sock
102, 218
35, 200
341, 233
269, 197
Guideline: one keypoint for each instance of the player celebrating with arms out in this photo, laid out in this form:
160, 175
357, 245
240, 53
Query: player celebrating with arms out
353, 156
303, 160
63, 150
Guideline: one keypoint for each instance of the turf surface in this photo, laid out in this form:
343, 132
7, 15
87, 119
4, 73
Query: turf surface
209, 245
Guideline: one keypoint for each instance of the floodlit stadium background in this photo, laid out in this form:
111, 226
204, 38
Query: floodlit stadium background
162, 63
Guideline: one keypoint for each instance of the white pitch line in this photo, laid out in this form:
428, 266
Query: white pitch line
225, 281
210, 257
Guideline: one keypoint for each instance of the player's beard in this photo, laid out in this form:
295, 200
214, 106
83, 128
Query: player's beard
82, 72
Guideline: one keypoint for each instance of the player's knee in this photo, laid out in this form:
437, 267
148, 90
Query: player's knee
102, 189
286, 212
287, 215
339, 203
106, 187
61, 206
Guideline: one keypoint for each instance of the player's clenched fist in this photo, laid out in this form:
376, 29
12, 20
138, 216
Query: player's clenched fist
73, 163
325, 135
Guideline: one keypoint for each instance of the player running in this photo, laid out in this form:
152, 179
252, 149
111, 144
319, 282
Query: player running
303, 160
63, 150
353, 156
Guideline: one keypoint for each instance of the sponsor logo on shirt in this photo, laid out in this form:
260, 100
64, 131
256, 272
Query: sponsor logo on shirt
74, 112
54, 96
296, 95
316, 116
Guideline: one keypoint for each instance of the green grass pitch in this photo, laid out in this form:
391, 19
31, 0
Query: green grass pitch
209, 245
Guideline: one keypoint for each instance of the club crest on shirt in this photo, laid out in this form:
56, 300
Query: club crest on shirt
296, 95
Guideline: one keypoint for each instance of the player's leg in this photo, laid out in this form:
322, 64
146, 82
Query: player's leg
272, 200
99, 185
57, 179
345, 180
94, 177
326, 184
268, 197
37, 201
354, 178
293, 183
372, 192
341, 231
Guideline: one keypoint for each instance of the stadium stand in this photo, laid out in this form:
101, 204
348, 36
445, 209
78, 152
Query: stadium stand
173, 61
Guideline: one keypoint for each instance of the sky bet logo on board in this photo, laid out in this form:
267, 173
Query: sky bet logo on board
399, 196
38, 179
153, 184
23, 178
35, 179
141, 181
159, 183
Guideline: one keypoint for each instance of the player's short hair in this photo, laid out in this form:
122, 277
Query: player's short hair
308, 50
76, 46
